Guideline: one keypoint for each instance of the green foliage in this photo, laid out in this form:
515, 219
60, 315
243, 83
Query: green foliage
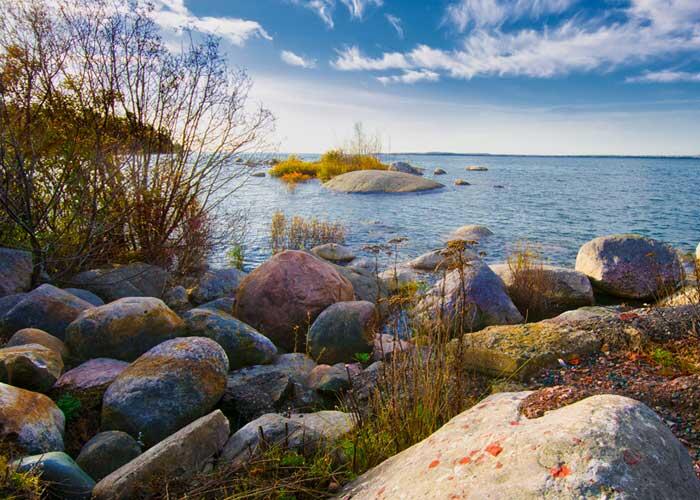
663, 357
331, 164
70, 406
363, 357
236, 256
299, 233
18, 485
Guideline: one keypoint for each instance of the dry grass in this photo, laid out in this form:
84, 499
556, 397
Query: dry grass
299, 233
331, 164
18, 485
531, 289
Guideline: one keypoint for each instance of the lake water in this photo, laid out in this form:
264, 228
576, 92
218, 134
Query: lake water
556, 203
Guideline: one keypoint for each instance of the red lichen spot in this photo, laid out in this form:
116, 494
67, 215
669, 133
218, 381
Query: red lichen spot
574, 361
434, 464
514, 423
450, 478
494, 449
629, 316
465, 460
473, 452
480, 459
499, 465
560, 471
465, 426
381, 491
577, 440
631, 458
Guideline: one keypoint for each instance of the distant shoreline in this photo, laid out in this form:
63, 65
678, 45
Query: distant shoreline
510, 155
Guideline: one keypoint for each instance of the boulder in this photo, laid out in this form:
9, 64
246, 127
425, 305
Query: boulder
439, 260
364, 265
123, 329
601, 447
302, 433
86, 295
244, 346
177, 299
217, 284
36, 336
341, 331
283, 296
64, 478
258, 174
523, 350
133, 280
697, 252
89, 381
106, 452
688, 295
47, 308
251, 394
477, 300
30, 420
476, 168
462, 182
168, 387
397, 278
365, 284
227, 305
380, 181
406, 168
566, 289
329, 379
333, 252
8, 302
385, 345
471, 232
439, 171
585, 314
32, 366
630, 266
180, 456
15, 271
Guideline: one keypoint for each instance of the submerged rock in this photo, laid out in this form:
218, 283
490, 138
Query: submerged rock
439, 171
476, 168
601, 447
462, 182
341, 331
380, 181
63, 477
406, 168
30, 420
123, 329
171, 385
15, 271
630, 266
283, 296
471, 232
32, 366
133, 280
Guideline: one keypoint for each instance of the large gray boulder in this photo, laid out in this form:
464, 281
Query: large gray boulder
15, 271
86, 295
47, 308
123, 329
341, 331
304, 433
406, 168
89, 381
29, 420
64, 478
216, 284
36, 336
602, 447
32, 366
440, 260
132, 280
470, 232
8, 302
380, 181
630, 266
476, 300
399, 277
181, 455
244, 345
106, 452
168, 387
364, 283
333, 252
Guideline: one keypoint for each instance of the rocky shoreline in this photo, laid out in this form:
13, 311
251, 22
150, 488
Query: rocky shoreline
175, 378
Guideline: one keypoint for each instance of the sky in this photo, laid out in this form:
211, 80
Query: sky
471, 76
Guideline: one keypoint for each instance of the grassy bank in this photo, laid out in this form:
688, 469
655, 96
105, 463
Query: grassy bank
331, 164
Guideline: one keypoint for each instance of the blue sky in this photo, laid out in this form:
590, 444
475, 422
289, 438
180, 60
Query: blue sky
492, 76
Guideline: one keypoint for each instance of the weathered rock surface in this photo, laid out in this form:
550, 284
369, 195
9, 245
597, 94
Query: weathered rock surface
440, 259
406, 168
283, 296
177, 299
471, 232
601, 447
341, 331
123, 329
65, 478
133, 280
15, 271
244, 345
30, 420
217, 284
32, 367
385, 345
397, 278
584, 314
302, 433
329, 379
89, 381
476, 168
697, 252
47, 308
480, 300
462, 182
439, 171
86, 295
687, 295
106, 452
565, 289
226, 305
168, 387
380, 181
36, 336
365, 284
181, 455
630, 266
8, 302
333, 252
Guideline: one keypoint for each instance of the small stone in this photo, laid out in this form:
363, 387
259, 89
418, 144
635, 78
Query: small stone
106, 452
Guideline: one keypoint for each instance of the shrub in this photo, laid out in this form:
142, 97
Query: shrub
70, 406
18, 485
331, 164
299, 233
531, 288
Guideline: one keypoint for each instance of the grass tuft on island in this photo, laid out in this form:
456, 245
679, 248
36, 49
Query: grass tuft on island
331, 164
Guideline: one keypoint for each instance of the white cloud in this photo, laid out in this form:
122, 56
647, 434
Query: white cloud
410, 77
396, 23
351, 59
357, 7
174, 15
665, 76
325, 8
293, 59
481, 13
651, 29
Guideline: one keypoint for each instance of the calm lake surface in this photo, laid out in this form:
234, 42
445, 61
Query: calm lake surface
556, 203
